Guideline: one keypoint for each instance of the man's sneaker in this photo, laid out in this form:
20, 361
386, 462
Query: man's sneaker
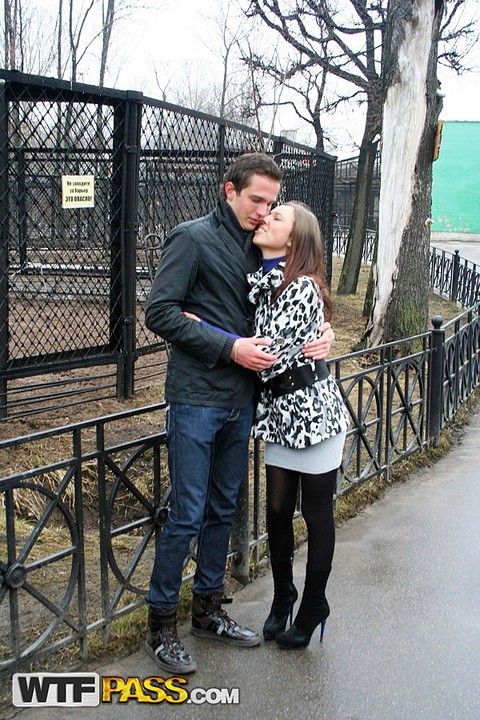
209, 620
168, 651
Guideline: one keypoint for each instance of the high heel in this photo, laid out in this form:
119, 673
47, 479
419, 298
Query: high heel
280, 612
322, 629
313, 611
284, 598
300, 633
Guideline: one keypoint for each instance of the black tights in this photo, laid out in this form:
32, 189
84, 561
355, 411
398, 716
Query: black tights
317, 493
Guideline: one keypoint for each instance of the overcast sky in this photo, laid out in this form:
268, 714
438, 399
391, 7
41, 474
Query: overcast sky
177, 34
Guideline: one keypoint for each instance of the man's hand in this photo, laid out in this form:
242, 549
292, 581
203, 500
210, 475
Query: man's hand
248, 353
319, 349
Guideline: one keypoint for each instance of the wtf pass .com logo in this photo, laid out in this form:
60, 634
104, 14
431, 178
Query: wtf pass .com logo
91, 689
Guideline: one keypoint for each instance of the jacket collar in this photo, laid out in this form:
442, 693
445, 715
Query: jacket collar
232, 234
265, 284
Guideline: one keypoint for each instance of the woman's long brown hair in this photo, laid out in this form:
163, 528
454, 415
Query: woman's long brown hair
306, 254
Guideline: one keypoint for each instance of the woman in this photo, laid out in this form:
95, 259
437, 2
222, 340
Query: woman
300, 416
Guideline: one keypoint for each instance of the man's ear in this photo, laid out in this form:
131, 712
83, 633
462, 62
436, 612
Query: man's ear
230, 191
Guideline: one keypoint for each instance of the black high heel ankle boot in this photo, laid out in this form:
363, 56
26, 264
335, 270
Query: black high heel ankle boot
314, 610
284, 598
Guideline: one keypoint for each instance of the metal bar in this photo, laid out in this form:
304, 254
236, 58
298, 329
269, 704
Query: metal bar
103, 525
115, 245
79, 519
455, 276
240, 568
435, 380
221, 152
131, 162
4, 240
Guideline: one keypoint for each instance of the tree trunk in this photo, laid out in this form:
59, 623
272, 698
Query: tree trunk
10, 39
410, 115
108, 20
348, 281
59, 41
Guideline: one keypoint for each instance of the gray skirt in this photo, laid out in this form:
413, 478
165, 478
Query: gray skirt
314, 460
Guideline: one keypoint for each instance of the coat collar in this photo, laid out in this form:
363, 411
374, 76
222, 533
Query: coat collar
237, 240
265, 284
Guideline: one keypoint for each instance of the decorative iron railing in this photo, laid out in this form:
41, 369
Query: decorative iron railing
77, 534
451, 276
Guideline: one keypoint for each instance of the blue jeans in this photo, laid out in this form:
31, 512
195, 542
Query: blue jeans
207, 457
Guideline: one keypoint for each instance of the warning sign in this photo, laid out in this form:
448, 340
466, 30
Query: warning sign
78, 191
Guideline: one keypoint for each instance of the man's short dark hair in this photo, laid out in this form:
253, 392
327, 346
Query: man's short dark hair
242, 169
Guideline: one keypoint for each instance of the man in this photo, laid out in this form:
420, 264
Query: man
209, 387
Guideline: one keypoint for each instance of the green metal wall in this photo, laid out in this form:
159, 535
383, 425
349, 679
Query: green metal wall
456, 179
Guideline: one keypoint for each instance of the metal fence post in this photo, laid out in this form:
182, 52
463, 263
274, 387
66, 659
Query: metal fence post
435, 379
132, 169
455, 274
278, 150
221, 152
474, 285
3, 248
125, 182
240, 569
21, 204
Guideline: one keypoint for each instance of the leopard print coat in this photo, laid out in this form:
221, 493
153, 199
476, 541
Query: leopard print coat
308, 415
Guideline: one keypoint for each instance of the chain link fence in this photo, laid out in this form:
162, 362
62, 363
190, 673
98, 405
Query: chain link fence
74, 278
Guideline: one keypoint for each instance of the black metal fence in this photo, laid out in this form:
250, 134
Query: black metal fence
454, 278
73, 279
344, 191
450, 275
77, 533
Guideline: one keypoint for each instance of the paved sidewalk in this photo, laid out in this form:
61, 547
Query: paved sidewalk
403, 639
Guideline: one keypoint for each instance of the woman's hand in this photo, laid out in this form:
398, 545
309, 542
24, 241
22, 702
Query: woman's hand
319, 349
192, 316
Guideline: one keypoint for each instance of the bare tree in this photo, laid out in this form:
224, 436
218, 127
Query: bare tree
400, 303
83, 32
229, 33
307, 84
191, 88
59, 39
108, 19
76, 28
230, 94
239, 90
14, 20
346, 43
24, 30
9, 35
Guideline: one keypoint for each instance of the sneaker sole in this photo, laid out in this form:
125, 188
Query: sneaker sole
181, 670
198, 632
